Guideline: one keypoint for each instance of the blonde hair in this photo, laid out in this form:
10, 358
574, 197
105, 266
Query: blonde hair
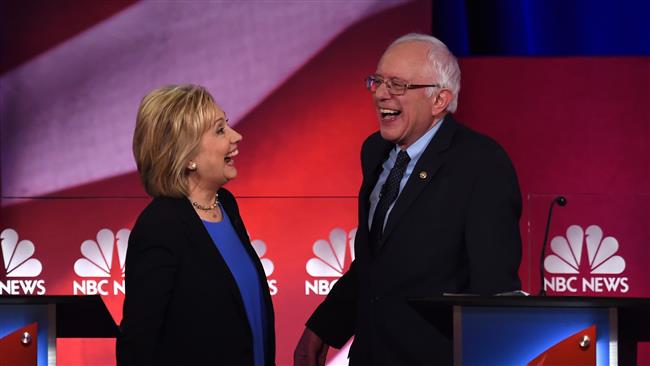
171, 121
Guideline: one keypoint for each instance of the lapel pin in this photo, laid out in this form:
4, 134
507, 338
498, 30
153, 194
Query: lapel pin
423, 175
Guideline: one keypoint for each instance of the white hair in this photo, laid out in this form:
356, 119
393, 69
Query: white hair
442, 62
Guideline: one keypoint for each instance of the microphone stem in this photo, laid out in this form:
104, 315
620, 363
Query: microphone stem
542, 291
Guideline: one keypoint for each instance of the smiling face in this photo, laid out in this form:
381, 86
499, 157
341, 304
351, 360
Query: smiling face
405, 118
215, 163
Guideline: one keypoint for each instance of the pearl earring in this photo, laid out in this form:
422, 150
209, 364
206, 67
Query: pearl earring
192, 166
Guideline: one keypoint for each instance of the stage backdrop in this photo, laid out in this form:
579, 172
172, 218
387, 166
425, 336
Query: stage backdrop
290, 76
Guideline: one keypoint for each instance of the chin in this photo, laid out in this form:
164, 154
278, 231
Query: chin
388, 136
232, 174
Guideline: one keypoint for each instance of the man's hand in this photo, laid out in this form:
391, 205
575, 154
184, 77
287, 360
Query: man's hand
310, 351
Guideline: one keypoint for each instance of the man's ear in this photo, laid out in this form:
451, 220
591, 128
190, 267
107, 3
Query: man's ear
440, 101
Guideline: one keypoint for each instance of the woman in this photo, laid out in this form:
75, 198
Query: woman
196, 291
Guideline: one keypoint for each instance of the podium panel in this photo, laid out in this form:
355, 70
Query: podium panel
56, 317
514, 330
14, 317
516, 336
20, 347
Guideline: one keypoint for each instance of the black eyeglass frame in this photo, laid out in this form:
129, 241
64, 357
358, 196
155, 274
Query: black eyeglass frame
374, 79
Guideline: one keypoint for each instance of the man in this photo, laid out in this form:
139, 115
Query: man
439, 212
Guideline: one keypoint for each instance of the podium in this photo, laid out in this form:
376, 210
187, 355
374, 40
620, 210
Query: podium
52, 317
514, 330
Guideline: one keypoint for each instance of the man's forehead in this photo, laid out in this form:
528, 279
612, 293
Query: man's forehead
404, 60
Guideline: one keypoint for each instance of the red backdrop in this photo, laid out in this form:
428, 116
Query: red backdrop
572, 126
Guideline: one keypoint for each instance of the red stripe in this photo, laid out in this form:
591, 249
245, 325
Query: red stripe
29, 28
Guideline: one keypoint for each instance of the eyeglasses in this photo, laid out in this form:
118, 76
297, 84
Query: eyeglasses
395, 86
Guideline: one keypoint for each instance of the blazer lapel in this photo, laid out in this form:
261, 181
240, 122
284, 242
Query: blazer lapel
371, 171
430, 161
199, 232
238, 225
233, 214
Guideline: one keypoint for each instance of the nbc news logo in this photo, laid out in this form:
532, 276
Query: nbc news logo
568, 261
103, 259
19, 265
260, 250
329, 261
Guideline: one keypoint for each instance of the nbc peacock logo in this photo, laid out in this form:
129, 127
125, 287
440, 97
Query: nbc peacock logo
260, 250
329, 260
598, 271
102, 264
20, 269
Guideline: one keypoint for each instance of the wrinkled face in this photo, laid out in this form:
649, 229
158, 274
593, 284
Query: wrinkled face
217, 150
404, 118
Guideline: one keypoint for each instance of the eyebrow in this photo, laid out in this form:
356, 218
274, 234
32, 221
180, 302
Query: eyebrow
388, 77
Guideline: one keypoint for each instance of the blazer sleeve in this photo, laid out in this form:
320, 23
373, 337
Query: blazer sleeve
492, 235
335, 318
151, 263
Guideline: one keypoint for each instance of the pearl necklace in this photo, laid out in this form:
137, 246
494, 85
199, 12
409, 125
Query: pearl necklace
207, 208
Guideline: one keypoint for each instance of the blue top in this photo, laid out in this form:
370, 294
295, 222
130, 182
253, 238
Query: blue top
243, 270
415, 151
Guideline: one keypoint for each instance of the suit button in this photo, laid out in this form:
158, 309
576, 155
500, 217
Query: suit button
374, 299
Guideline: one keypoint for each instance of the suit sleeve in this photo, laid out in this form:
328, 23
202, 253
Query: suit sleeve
151, 264
492, 228
334, 319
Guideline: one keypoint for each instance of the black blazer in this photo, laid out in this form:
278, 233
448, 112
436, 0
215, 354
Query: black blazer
182, 304
454, 229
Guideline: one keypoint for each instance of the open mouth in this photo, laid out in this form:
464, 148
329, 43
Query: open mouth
230, 157
389, 114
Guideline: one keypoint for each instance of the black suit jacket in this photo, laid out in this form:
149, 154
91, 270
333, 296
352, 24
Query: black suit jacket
454, 229
182, 304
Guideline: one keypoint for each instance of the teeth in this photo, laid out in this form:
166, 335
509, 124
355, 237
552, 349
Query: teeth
232, 154
388, 111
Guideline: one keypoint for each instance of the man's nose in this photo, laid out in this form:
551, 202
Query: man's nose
382, 92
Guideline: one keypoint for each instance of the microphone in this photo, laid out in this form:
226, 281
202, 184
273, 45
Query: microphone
561, 201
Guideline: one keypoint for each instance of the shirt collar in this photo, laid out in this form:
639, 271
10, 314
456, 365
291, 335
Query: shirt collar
417, 148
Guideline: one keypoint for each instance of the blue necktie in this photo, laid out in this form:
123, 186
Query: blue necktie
387, 196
